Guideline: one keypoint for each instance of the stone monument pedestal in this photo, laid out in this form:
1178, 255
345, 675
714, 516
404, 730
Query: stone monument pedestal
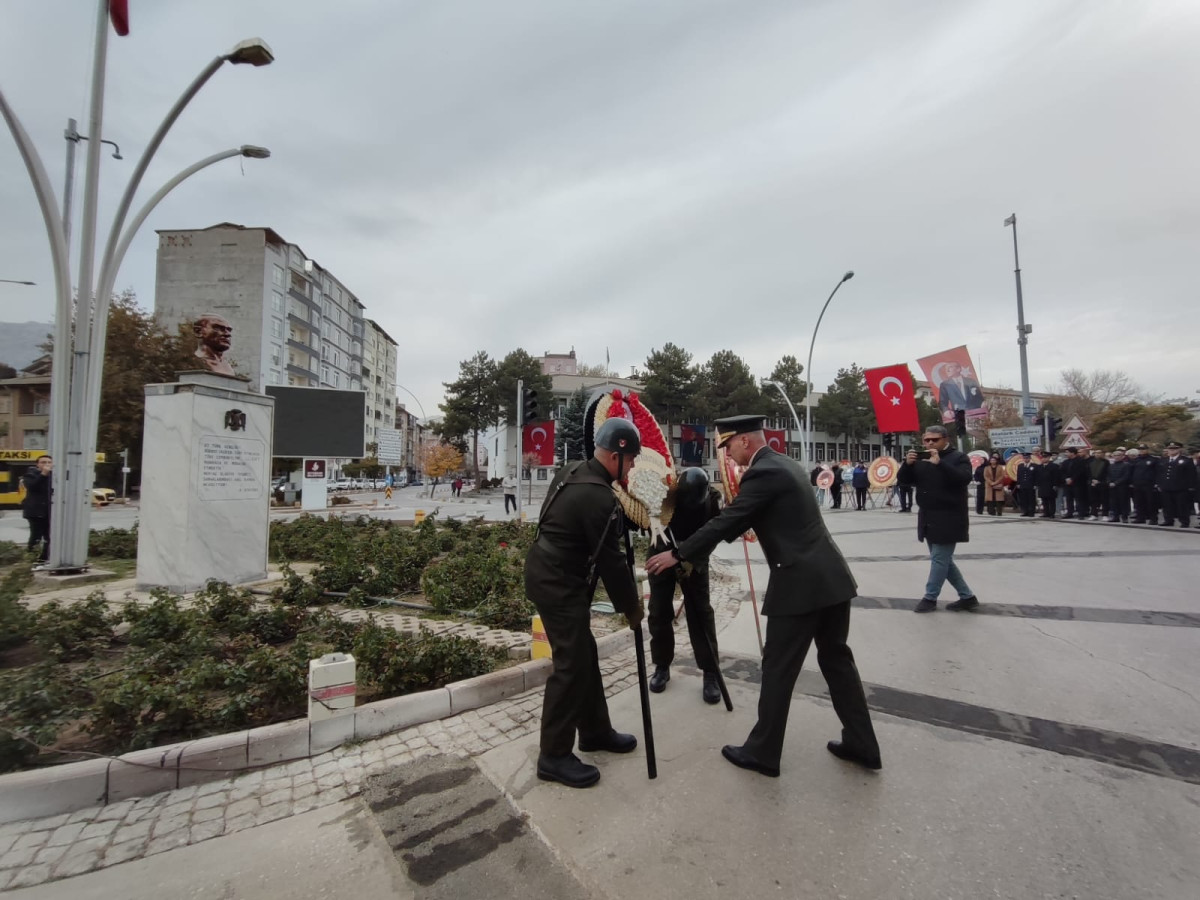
205, 496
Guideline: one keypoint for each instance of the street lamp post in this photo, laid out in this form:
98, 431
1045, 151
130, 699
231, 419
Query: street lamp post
803, 453
79, 352
808, 368
1023, 330
12, 281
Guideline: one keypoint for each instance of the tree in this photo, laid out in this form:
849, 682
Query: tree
725, 387
440, 460
1087, 393
1136, 423
669, 383
788, 373
570, 427
596, 371
471, 403
846, 407
7, 371
519, 365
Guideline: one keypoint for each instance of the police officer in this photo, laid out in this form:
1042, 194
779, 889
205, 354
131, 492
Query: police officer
1176, 481
1120, 471
1141, 484
695, 503
579, 531
1047, 477
1026, 489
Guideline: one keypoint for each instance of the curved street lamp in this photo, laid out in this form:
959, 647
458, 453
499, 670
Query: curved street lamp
11, 281
796, 418
808, 368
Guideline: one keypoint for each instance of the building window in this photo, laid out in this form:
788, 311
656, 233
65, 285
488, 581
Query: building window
276, 378
277, 301
337, 379
277, 276
276, 328
325, 374
275, 355
34, 439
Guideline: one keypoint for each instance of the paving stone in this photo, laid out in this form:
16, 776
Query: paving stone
239, 823
29, 876
65, 834
271, 813
205, 830
279, 796
325, 769
177, 809
133, 831
85, 815
124, 851
210, 788
167, 842
51, 855
99, 829
168, 825
305, 804
206, 815
306, 789
208, 801
247, 807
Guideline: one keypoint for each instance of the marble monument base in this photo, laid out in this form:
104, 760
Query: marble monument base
205, 495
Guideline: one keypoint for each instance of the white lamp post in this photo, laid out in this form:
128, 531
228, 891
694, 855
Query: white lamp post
808, 368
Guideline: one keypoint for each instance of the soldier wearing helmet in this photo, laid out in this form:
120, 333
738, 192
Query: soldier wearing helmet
695, 503
579, 531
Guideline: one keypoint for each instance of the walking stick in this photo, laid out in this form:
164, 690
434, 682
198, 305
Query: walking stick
643, 684
753, 600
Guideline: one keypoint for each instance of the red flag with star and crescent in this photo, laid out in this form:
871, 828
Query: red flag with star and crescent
118, 11
892, 396
538, 438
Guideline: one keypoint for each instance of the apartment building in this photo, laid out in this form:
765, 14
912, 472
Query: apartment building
378, 378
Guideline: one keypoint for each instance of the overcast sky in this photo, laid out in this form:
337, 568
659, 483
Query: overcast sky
619, 174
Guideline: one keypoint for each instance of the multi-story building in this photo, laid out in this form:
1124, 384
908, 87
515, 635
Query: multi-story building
412, 437
25, 407
293, 322
378, 378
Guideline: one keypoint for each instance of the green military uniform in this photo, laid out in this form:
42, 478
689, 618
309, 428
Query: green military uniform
579, 519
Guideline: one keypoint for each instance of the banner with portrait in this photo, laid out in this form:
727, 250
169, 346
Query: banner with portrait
691, 445
955, 383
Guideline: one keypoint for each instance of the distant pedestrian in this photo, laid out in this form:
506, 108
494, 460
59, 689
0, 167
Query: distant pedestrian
36, 506
1026, 488
1098, 485
941, 480
993, 485
1144, 475
1120, 471
456, 487
1047, 477
510, 493
861, 482
1176, 481
835, 489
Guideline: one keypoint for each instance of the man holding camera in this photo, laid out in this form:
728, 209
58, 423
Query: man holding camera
941, 475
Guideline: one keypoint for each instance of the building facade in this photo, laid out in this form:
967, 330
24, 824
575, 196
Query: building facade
25, 408
412, 442
378, 378
294, 323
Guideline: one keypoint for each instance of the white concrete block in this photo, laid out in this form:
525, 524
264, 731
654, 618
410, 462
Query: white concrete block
144, 772
278, 743
485, 689
329, 733
213, 758
385, 716
47, 792
537, 671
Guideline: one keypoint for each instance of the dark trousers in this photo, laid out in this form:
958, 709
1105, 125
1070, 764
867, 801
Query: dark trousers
574, 699
1176, 505
1118, 502
905, 493
788, 639
1144, 509
860, 498
980, 494
697, 609
510, 498
39, 533
1077, 500
1028, 501
1049, 504
836, 494
1098, 496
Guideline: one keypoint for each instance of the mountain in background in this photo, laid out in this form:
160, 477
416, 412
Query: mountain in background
19, 342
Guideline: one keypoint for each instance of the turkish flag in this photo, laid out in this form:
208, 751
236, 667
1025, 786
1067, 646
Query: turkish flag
118, 11
538, 438
776, 440
892, 396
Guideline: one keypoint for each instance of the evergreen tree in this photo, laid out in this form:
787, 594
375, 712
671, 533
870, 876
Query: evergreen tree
570, 428
789, 374
725, 387
670, 384
471, 403
519, 365
846, 410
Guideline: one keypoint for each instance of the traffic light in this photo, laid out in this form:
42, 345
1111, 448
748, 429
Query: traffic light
888, 440
529, 405
1054, 424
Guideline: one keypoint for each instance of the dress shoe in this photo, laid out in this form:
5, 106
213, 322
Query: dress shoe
963, 605
743, 760
568, 770
712, 691
841, 751
926, 605
658, 681
613, 742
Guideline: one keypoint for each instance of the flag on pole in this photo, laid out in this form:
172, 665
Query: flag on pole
538, 438
892, 396
118, 11
775, 439
1011, 220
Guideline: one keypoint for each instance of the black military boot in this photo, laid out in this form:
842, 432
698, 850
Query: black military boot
568, 770
613, 742
712, 691
658, 681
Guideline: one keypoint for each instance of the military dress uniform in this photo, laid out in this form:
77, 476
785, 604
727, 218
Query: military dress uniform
1027, 488
807, 599
701, 623
1142, 481
579, 526
1047, 477
1176, 481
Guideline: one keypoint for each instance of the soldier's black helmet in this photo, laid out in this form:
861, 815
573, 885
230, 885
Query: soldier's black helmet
693, 487
620, 435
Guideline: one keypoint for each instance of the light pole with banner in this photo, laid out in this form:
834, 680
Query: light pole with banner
1023, 330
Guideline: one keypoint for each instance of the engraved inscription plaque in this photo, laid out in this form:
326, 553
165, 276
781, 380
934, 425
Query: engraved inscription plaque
231, 468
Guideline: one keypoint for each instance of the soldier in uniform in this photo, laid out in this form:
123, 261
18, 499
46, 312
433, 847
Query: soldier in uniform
695, 503
1141, 483
579, 532
1119, 473
1047, 477
1176, 481
1098, 484
1026, 488
808, 597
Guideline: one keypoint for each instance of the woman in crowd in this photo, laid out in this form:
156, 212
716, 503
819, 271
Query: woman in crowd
993, 485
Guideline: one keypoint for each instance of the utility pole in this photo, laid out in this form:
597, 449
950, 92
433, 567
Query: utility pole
519, 417
1023, 330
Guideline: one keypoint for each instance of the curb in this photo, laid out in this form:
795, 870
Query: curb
98, 782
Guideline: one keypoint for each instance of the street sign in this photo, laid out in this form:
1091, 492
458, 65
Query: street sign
314, 468
1075, 426
1015, 437
1078, 441
391, 450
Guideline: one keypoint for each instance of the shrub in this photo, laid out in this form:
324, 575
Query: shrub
113, 543
75, 632
11, 553
15, 619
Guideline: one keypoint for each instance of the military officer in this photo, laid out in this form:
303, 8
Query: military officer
1026, 489
695, 503
1145, 474
579, 532
1047, 476
808, 596
1176, 481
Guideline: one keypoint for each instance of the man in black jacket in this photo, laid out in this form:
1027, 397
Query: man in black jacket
1076, 474
1098, 484
1026, 487
579, 531
1119, 473
1176, 481
808, 597
696, 501
942, 520
1047, 477
1141, 485
36, 505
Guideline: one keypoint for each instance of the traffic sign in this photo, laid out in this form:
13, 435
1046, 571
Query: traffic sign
1075, 426
1076, 441
390, 448
1015, 437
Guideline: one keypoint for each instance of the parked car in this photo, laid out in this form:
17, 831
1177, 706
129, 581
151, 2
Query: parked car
103, 496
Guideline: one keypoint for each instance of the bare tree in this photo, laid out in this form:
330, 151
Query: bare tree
1096, 390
